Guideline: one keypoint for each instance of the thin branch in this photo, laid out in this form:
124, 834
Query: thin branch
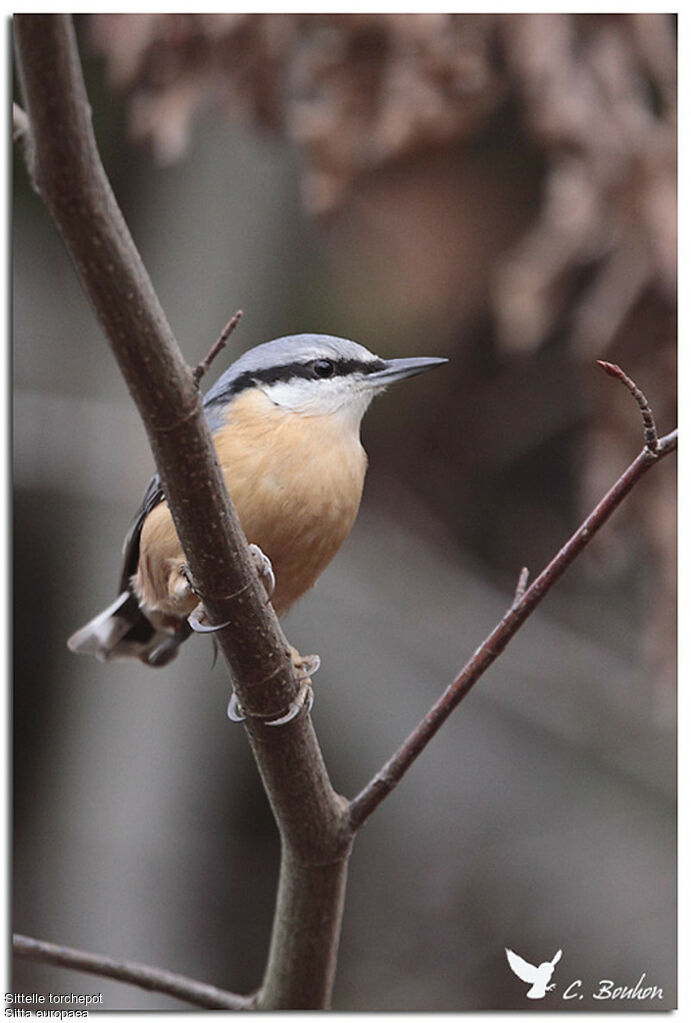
649, 427
386, 779
149, 977
203, 367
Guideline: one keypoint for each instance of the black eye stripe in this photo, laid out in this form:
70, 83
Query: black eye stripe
292, 371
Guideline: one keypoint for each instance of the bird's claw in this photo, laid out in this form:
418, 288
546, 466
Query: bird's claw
264, 569
301, 704
197, 619
305, 666
234, 711
197, 623
188, 581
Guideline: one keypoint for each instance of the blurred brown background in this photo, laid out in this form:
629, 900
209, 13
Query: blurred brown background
499, 189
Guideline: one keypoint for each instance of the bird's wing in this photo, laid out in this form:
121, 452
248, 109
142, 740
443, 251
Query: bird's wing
521, 968
153, 496
556, 958
130, 551
214, 409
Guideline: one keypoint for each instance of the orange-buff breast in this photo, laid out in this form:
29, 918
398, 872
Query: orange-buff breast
296, 482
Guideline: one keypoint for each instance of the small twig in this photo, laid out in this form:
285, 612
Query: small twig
649, 428
521, 586
203, 367
386, 779
149, 977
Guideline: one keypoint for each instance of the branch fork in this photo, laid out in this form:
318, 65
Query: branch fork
524, 603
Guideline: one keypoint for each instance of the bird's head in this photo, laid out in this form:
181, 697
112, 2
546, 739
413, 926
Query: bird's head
314, 375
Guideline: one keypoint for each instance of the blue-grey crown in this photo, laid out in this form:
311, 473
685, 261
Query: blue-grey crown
284, 359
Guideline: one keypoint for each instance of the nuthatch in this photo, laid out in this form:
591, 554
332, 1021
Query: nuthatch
285, 420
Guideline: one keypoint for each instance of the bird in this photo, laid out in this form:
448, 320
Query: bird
538, 976
285, 420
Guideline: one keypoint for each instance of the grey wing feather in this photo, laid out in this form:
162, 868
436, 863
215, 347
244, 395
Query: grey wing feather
521, 968
154, 492
130, 551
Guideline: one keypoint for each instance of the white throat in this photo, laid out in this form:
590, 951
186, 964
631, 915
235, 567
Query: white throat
345, 400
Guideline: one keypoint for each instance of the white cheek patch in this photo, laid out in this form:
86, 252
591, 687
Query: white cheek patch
311, 397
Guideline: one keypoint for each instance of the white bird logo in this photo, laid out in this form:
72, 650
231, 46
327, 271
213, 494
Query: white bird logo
537, 976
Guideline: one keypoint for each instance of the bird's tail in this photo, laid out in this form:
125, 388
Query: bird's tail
123, 632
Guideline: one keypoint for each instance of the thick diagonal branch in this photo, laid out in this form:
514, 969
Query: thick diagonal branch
66, 170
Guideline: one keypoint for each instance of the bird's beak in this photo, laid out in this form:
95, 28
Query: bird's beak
399, 369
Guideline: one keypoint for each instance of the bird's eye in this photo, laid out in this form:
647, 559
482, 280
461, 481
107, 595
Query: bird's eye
323, 368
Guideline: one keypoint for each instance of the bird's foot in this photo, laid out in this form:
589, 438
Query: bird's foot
198, 622
181, 584
184, 586
183, 593
305, 667
301, 704
264, 569
550, 987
